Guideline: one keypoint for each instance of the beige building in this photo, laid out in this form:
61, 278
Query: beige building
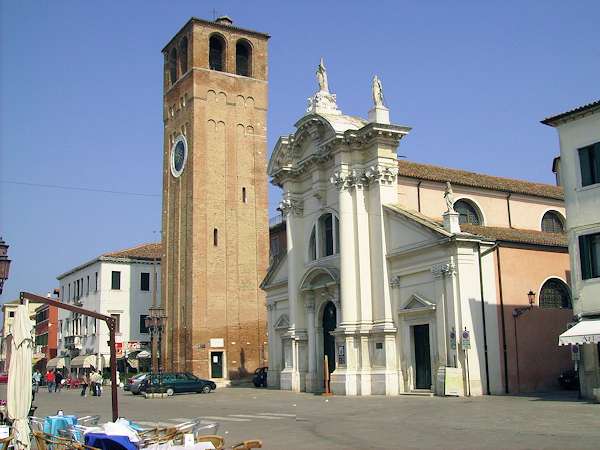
215, 232
400, 282
8, 313
579, 172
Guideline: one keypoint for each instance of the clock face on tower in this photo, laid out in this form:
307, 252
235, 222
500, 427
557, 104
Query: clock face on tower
178, 155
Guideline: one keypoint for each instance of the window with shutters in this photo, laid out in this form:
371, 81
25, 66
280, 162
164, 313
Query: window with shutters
589, 163
552, 222
589, 255
467, 212
555, 294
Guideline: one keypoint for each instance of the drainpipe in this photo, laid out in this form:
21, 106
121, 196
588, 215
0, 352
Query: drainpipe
508, 209
419, 195
503, 324
485, 345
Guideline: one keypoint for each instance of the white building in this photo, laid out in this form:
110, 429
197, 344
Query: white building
579, 134
380, 278
121, 284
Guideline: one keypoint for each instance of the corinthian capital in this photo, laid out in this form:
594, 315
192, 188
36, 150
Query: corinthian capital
291, 205
441, 270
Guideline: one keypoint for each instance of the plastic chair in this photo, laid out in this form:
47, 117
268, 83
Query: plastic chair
217, 441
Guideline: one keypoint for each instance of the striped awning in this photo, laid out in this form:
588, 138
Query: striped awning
56, 363
584, 332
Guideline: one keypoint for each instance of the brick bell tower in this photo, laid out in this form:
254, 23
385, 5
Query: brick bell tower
215, 205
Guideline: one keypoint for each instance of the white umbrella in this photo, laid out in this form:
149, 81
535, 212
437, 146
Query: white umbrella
19, 376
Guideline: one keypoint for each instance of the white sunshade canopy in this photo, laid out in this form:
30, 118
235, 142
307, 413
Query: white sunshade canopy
55, 363
584, 332
85, 361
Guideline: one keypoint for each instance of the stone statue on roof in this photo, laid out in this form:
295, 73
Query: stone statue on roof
449, 197
322, 77
377, 91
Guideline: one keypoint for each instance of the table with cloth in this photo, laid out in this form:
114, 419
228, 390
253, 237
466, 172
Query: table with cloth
109, 442
53, 424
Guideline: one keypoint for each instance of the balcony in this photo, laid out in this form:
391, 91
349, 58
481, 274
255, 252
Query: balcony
73, 342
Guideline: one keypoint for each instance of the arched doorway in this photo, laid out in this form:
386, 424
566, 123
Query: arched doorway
329, 324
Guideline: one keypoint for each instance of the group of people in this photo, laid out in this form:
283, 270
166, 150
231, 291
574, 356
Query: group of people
55, 379
93, 380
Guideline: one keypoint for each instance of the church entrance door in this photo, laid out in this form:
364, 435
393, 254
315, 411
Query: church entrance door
329, 324
216, 366
422, 357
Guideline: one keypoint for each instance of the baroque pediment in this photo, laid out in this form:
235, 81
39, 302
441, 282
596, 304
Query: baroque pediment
416, 303
283, 323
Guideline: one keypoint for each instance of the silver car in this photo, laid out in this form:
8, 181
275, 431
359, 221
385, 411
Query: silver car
133, 383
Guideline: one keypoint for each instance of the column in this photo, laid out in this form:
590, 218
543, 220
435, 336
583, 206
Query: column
347, 258
311, 377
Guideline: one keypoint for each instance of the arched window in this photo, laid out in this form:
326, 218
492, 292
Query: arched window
552, 223
216, 53
467, 212
173, 65
183, 56
555, 294
243, 58
324, 237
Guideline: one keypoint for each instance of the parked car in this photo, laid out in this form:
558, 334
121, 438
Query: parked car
569, 380
133, 383
177, 382
3, 377
260, 377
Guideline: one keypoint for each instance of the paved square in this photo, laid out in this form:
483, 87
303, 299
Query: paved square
305, 421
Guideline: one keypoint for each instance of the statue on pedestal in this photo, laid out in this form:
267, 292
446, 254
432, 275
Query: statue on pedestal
449, 197
322, 77
377, 91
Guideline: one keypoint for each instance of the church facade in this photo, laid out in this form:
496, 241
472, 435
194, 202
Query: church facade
401, 277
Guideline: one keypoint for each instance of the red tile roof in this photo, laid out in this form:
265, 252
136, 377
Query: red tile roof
472, 179
143, 251
517, 235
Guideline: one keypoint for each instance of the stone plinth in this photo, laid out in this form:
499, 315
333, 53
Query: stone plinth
379, 114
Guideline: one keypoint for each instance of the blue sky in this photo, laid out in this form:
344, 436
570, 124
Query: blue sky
81, 99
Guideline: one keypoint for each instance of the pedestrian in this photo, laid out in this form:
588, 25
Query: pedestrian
36, 379
58, 380
50, 378
84, 384
98, 379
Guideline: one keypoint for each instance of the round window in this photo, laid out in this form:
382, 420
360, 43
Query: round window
178, 155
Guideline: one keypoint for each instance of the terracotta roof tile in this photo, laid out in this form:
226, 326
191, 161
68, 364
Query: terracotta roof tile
517, 235
464, 178
142, 251
590, 108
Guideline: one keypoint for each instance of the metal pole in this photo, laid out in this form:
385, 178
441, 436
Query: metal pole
113, 369
517, 356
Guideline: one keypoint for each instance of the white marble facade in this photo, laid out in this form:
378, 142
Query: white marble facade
375, 287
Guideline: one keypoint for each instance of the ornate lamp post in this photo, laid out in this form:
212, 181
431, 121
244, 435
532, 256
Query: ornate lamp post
155, 322
4, 263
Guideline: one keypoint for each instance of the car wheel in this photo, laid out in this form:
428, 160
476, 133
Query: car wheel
170, 392
206, 389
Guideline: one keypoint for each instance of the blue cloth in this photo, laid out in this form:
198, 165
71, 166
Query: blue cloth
53, 424
109, 442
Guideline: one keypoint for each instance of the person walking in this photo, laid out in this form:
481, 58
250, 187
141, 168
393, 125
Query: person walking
58, 378
98, 380
84, 384
50, 378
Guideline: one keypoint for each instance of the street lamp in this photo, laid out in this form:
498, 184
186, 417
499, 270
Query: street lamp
155, 322
4, 263
516, 313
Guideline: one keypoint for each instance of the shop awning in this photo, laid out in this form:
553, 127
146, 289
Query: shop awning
56, 363
584, 332
85, 361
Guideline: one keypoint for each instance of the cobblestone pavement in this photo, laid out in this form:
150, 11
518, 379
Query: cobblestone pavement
305, 421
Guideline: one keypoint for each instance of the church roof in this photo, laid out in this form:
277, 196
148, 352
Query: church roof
517, 235
342, 122
478, 180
